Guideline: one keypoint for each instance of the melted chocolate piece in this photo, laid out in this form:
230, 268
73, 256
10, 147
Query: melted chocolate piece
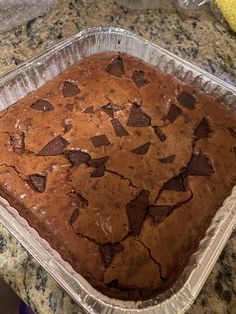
74, 216
108, 250
118, 128
99, 172
54, 147
17, 140
99, 140
142, 150
116, 67
202, 130
138, 78
178, 183
232, 131
38, 182
159, 212
138, 118
173, 113
97, 162
167, 160
159, 133
69, 89
136, 211
199, 165
89, 109
42, 105
77, 157
187, 100
69, 107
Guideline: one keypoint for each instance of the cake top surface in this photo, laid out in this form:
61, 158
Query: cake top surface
117, 159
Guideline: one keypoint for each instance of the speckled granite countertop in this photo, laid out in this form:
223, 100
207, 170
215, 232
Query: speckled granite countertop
201, 40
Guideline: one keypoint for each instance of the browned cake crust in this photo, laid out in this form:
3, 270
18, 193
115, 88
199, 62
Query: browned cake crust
120, 168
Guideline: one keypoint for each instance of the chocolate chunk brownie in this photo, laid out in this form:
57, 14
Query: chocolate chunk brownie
121, 168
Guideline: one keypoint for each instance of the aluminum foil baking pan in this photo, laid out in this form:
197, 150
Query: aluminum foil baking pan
34, 73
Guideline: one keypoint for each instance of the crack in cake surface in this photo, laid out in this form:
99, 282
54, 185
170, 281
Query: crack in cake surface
15, 169
152, 258
123, 178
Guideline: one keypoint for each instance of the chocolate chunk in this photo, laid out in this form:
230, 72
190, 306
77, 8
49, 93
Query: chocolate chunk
69, 107
99, 172
113, 284
136, 211
67, 127
116, 67
138, 78
159, 212
118, 128
69, 89
142, 150
17, 140
99, 140
54, 147
77, 157
199, 165
89, 109
173, 113
138, 118
187, 100
202, 130
108, 250
178, 183
97, 162
232, 131
38, 182
42, 105
159, 133
74, 216
167, 160
111, 108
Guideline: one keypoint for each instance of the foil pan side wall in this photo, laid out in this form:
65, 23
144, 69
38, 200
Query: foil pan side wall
46, 66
